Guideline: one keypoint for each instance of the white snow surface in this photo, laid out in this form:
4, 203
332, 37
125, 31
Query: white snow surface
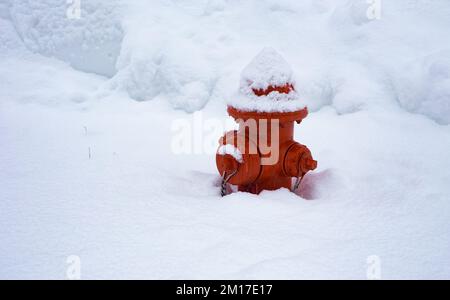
88, 171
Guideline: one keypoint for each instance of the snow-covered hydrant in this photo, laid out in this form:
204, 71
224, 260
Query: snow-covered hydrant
262, 154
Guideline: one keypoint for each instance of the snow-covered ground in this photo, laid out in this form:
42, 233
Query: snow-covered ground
87, 116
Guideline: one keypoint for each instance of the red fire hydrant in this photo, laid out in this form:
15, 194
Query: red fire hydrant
262, 153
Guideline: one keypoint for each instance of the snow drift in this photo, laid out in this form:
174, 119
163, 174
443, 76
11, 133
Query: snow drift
89, 42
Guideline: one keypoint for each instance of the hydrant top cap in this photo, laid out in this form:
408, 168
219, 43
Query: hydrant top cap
267, 85
267, 69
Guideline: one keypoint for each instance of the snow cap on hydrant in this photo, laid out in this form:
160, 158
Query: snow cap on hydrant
267, 85
262, 154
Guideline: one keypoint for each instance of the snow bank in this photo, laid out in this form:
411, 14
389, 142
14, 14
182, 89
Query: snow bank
33, 79
162, 55
192, 51
344, 53
423, 86
90, 43
148, 70
10, 42
384, 60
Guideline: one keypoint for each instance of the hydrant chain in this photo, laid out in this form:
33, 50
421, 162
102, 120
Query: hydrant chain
298, 180
225, 179
300, 175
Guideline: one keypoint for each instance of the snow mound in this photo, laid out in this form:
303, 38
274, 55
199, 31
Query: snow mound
89, 41
9, 39
423, 86
165, 53
26, 81
147, 71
